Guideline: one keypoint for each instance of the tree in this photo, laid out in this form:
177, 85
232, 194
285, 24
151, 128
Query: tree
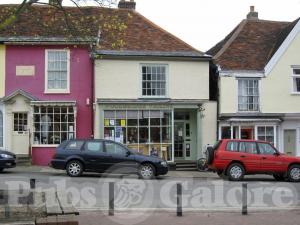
74, 23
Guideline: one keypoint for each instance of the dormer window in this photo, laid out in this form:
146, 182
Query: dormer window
296, 80
248, 95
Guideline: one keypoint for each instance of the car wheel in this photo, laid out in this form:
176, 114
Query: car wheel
279, 177
294, 173
74, 168
235, 172
146, 171
209, 155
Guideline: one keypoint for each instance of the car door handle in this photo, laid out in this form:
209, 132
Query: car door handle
264, 157
243, 156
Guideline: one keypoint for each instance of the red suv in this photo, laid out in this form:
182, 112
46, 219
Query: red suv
236, 158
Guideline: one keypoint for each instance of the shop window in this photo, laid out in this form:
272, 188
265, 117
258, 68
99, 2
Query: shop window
296, 80
147, 131
226, 132
248, 95
53, 125
266, 133
154, 80
20, 122
57, 71
1, 129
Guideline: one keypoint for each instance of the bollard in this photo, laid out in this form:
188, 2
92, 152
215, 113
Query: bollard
179, 199
32, 183
244, 199
111, 197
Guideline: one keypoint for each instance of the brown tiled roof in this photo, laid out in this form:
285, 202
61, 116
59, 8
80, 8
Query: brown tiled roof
251, 44
137, 32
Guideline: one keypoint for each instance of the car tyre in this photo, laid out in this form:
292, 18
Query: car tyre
279, 177
235, 172
146, 171
209, 155
74, 168
294, 173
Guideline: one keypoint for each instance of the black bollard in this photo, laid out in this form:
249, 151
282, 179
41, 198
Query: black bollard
32, 183
179, 199
244, 199
111, 197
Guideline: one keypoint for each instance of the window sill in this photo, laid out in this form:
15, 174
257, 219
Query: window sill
153, 97
248, 111
57, 92
295, 93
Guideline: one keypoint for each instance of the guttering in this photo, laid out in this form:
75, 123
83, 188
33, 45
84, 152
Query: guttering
46, 40
179, 55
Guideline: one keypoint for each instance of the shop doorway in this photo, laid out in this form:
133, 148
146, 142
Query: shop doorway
20, 138
247, 133
290, 142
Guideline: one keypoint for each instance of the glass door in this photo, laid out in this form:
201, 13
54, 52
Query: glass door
179, 138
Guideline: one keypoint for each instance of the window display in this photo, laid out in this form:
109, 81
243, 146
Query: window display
147, 131
52, 125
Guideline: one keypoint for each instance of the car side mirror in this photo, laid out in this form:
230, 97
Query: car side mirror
128, 153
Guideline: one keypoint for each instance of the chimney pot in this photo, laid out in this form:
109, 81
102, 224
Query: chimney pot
124, 4
252, 15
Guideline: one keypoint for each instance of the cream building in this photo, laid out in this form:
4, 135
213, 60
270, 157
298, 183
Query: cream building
259, 82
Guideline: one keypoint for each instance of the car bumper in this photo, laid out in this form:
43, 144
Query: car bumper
58, 164
161, 170
7, 163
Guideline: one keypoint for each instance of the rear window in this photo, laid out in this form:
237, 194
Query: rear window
232, 146
74, 145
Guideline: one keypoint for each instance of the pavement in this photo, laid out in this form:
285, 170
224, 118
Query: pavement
160, 218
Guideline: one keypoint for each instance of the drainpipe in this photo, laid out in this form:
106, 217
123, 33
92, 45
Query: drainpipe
92, 94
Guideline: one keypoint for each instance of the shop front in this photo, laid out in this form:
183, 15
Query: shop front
167, 131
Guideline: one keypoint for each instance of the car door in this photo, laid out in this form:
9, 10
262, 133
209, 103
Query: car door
249, 156
96, 159
122, 160
270, 161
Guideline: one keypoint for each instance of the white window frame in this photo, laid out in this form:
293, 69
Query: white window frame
57, 91
166, 76
53, 145
258, 90
294, 76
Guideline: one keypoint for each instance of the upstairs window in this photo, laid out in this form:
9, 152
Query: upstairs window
296, 80
248, 95
57, 71
154, 80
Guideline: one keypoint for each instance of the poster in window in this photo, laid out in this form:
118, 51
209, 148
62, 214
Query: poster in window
119, 135
111, 122
71, 128
123, 123
106, 123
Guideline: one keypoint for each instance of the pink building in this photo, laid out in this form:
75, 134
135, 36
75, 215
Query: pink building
48, 98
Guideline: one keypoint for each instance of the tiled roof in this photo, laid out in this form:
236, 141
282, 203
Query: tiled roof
137, 32
251, 44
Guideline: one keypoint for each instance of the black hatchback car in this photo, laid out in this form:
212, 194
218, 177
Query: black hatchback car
7, 160
78, 156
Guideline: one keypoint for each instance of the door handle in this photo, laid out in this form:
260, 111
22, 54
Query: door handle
264, 157
243, 156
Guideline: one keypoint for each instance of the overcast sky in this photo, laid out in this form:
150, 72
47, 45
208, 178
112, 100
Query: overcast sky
202, 23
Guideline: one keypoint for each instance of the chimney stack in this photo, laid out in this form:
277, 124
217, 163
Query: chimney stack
252, 15
124, 4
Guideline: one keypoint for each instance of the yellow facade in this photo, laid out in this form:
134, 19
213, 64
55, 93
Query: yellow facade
2, 71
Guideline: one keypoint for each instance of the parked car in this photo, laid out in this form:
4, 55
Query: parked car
78, 156
7, 160
236, 158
